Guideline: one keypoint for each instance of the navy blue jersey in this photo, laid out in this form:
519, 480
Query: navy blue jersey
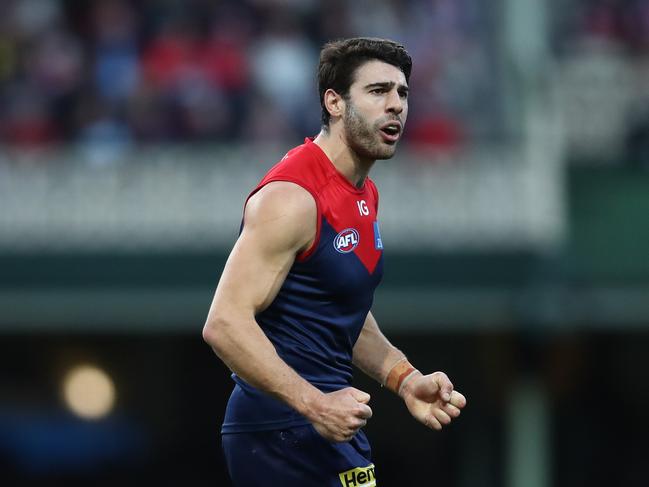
320, 309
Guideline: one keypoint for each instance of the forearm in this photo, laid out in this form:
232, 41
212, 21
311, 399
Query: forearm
429, 398
242, 346
373, 352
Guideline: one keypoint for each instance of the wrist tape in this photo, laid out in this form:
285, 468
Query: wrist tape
399, 374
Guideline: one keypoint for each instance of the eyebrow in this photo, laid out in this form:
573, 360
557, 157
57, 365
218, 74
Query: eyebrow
388, 85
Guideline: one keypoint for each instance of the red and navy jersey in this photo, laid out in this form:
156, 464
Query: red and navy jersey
319, 311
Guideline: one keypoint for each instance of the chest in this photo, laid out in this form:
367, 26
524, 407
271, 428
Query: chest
348, 259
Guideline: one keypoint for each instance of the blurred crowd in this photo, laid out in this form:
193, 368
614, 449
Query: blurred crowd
604, 49
126, 72
624, 23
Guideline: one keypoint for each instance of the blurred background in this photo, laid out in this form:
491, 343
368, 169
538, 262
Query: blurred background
514, 220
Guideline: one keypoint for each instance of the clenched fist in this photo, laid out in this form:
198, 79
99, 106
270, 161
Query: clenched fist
338, 415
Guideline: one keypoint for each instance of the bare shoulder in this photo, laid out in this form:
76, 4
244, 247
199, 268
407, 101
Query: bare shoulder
279, 198
283, 211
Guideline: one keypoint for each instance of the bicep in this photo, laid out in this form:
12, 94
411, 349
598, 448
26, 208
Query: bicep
279, 221
252, 275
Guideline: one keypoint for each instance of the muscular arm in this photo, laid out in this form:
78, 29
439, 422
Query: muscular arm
280, 221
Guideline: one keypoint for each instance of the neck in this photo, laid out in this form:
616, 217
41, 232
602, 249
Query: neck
344, 158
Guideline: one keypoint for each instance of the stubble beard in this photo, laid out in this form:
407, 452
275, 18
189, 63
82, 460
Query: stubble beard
363, 138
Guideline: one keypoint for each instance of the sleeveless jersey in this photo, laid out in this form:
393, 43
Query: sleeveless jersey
319, 311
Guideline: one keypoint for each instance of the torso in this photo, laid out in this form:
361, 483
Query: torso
320, 309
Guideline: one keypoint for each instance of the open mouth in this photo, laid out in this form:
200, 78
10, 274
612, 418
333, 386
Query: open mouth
391, 131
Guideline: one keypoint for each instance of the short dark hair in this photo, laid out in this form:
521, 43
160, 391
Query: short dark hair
340, 59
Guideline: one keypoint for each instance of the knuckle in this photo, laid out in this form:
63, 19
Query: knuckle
442, 376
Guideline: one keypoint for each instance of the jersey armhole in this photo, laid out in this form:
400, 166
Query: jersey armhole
305, 254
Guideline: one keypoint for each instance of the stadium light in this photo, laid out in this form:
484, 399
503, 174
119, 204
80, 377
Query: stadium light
89, 392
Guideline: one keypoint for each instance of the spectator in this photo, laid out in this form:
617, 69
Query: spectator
116, 67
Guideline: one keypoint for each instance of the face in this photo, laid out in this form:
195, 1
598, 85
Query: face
376, 110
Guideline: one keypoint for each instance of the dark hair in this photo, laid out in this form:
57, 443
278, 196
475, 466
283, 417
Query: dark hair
340, 59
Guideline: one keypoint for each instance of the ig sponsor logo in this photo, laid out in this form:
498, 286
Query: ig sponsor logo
346, 241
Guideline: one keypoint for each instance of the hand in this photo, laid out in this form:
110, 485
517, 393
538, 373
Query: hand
432, 400
338, 415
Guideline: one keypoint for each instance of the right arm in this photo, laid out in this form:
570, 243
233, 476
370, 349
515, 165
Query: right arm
280, 221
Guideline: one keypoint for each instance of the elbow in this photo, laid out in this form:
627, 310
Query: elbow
214, 331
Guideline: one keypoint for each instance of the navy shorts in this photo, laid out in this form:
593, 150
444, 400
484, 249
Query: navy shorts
297, 456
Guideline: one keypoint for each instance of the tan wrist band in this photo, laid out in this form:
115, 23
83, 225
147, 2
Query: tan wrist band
398, 374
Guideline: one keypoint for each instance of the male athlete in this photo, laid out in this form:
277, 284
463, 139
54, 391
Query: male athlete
291, 312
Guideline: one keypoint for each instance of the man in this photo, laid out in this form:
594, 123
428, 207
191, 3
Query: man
291, 312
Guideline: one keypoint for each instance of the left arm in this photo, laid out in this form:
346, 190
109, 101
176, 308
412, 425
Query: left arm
373, 352
429, 398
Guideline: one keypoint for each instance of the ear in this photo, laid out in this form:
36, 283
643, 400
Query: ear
334, 103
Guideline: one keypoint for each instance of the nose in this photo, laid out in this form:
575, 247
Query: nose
394, 102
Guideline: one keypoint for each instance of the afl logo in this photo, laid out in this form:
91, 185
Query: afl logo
346, 241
